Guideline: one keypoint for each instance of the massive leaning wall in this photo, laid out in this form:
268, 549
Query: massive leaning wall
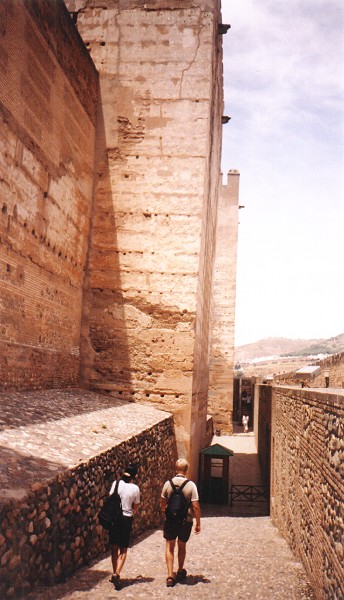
147, 308
48, 95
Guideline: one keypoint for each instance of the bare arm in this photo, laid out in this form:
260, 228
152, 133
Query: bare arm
197, 512
163, 504
135, 507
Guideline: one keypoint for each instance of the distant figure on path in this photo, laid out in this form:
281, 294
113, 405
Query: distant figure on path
119, 538
245, 420
178, 523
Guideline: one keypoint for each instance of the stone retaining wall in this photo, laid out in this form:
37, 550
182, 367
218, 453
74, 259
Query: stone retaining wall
53, 530
307, 492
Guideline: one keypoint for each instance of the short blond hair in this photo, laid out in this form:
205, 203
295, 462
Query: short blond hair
182, 465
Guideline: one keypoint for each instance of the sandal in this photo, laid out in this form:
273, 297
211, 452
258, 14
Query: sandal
181, 575
170, 582
116, 582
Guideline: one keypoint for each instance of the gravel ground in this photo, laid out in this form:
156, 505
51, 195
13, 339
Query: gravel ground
232, 558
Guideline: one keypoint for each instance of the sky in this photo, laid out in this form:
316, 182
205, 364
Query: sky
284, 92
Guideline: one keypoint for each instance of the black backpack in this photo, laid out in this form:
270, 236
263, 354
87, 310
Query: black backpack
110, 515
177, 504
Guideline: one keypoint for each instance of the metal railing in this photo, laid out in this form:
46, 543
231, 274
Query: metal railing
248, 493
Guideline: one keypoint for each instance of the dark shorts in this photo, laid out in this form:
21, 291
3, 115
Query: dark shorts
173, 530
120, 536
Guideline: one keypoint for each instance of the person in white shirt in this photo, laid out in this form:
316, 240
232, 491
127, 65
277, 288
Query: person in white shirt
119, 538
245, 420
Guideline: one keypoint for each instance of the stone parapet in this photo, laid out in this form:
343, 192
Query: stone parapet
60, 468
307, 492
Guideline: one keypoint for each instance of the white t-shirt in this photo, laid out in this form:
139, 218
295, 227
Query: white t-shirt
129, 494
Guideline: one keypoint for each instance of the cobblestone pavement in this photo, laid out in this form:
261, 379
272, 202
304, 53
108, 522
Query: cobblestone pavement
232, 558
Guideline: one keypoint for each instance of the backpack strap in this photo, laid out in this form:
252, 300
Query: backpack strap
116, 486
178, 487
183, 484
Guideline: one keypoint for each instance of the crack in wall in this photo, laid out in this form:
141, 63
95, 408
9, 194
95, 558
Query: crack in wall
193, 60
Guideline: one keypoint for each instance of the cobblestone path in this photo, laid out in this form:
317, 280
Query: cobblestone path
232, 558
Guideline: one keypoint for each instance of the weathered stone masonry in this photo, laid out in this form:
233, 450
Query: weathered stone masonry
108, 214
145, 334
48, 96
307, 495
109, 202
53, 529
221, 366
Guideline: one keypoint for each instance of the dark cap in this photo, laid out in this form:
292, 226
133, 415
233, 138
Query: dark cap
130, 470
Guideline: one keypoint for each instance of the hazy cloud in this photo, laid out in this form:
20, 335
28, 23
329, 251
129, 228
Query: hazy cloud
284, 84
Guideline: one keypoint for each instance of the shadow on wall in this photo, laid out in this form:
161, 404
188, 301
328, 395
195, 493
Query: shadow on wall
104, 354
20, 471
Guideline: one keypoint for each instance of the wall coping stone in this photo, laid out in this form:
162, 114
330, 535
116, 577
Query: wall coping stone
45, 432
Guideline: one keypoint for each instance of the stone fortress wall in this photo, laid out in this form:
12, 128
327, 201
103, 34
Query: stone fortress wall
146, 326
48, 96
303, 428
221, 366
109, 200
109, 206
121, 255
48, 118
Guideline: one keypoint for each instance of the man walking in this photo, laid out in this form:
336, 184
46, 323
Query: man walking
176, 528
119, 537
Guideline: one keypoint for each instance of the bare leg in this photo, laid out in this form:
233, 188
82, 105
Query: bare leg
169, 555
114, 558
181, 554
121, 560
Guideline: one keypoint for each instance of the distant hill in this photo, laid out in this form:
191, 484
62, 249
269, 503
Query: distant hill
287, 347
329, 346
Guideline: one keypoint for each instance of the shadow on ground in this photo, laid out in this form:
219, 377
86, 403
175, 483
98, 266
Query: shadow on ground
240, 509
83, 581
136, 580
194, 580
